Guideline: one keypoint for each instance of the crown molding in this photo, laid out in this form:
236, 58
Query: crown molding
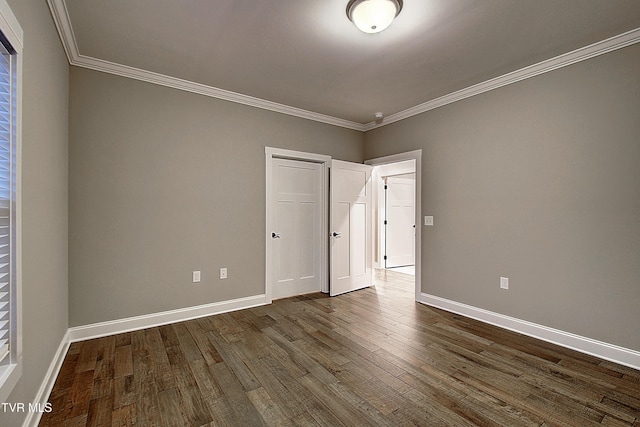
63, 25
578, 55
65, 30
213, 92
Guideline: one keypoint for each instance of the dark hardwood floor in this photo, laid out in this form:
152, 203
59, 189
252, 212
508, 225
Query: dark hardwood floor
371, 357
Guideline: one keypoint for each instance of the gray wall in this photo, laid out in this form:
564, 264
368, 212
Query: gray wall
164, 182
44, 198
538, 181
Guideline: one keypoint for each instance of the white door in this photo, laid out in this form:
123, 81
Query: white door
350, 227
296, 227
400, 221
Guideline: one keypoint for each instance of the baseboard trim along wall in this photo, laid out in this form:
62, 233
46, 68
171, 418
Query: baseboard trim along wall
33, 417
97, 330
610, 352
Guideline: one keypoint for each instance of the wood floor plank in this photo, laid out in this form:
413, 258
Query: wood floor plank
244, 413
207, 350
302, 396
88, 356
146, 402
191, 400
124, 416
343, 410
100, 412
207, 383
271, 413
124, 391
157, 341
372, 357
123, 361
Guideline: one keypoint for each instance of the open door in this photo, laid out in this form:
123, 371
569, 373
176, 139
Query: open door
350, 227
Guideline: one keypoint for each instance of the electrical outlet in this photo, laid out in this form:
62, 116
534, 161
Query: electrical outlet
223, 273
504, 283
196, 276
428, 220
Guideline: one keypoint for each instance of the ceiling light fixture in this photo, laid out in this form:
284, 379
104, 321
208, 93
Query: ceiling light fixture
373, 16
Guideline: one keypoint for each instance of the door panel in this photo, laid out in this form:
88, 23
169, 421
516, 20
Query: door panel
284, 245
358, 239
297, 225
340, 247
350, 225
308, 226
400, 228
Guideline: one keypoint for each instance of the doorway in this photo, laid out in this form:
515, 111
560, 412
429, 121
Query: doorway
370, 251
397, 247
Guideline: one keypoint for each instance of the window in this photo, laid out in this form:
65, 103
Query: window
10, 328
7, 193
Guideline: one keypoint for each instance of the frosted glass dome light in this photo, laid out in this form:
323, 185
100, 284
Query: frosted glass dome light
373, 16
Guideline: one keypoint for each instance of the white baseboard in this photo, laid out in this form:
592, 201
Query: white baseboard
33, 418
613, 353
97, 330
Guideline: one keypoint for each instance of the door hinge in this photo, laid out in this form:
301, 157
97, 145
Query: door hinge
385, 257
385, 222
385, 186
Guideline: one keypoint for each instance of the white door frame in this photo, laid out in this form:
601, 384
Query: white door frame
271, 153
417, 156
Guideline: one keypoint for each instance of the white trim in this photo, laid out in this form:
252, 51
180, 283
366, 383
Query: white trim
400, 157
33, 418
603, 350
280, 153
578, 55
97, 330
296, 155
9, 376
63, 25
11, 27
213, 92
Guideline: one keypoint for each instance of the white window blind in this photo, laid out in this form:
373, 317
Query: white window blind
7, 193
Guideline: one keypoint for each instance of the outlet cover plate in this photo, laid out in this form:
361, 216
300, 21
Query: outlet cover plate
504, 283
223, 273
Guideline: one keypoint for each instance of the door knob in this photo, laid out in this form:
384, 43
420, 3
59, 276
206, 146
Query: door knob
275, 235
336, 234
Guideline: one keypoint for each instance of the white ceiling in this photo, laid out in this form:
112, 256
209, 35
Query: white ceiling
306, 56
